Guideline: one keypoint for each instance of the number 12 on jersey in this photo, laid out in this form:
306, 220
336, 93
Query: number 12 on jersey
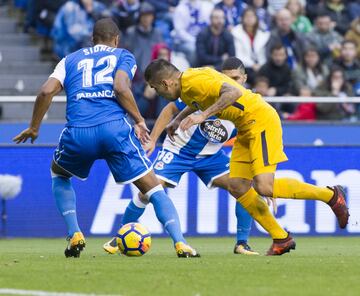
100, 77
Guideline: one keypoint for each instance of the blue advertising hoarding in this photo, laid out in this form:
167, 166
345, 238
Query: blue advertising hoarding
101, 202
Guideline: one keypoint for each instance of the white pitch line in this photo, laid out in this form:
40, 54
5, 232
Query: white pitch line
44, 293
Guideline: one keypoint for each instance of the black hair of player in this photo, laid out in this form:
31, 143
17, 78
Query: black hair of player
105, 30
233, 63
159, 69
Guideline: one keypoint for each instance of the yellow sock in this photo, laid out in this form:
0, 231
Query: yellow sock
259, 210
292, 188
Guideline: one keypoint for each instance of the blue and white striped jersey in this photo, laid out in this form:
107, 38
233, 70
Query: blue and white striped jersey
200, 140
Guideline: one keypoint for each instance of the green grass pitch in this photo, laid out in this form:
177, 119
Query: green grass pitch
320, 266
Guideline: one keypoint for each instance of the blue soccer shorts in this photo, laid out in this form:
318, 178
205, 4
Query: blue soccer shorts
170, 166
114, 141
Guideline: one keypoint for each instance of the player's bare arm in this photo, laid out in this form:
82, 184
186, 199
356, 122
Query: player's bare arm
42, 103
174, 124
164, 118
125, 97
228, 95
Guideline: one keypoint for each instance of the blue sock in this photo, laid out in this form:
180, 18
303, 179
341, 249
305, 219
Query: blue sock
66, 202
132, 213
166, 213
244, 221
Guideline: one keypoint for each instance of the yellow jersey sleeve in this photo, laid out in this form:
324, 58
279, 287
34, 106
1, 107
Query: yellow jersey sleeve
200, 85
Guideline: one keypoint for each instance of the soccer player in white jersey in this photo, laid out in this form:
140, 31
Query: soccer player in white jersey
199, 150
97, 83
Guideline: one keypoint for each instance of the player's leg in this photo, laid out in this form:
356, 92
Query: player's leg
129, 164
265, 149
241, 176
66, 203
136, 207
214, 172
70, 160
133, 212
165, 212
168, 168
244, 219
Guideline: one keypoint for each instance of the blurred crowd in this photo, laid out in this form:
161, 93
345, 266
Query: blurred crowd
289, 48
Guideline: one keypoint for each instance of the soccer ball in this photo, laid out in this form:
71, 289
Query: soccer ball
133, 239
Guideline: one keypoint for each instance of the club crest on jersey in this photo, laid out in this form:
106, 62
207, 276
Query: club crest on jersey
214, 131
159, 166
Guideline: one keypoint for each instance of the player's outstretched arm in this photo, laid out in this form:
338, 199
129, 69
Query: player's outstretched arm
42, 103
125, 97
228, 96
164, 118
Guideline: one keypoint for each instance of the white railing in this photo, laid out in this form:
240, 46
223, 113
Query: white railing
62, 99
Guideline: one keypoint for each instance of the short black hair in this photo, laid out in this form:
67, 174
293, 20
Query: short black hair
277, 46
160, 69
322, 13
105, 30
233, 63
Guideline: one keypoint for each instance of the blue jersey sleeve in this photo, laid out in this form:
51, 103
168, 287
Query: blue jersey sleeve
127, 63
180, 104
233, 134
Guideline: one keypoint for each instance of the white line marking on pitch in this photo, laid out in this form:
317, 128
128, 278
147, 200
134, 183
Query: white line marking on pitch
44, 293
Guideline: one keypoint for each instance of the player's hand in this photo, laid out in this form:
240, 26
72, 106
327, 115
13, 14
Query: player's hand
171, 129
142, 132
269, 201
149, 147
191, 120
25, 135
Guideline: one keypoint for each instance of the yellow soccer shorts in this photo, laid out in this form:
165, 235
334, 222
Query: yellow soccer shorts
258, 152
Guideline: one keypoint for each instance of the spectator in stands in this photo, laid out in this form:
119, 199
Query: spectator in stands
348, 62
190, 17
353, 8
233, 10
165, 8
294, 42
280, 83
262, 86
143, 36
250, 43
139, 39
274, 6
125, 13
164, 17
339, 13
310, 74
46, 13
74, 24
214, 44
152, 103
334, 86
324, 38
262, 13
354, 34
300, 22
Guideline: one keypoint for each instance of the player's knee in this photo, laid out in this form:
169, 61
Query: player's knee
238, 187
264, 188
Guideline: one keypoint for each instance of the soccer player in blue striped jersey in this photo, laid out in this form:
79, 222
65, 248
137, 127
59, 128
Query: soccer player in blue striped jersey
97, 83
199, 149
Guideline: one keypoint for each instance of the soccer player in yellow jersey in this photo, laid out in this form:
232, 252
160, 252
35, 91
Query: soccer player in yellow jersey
258, 147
